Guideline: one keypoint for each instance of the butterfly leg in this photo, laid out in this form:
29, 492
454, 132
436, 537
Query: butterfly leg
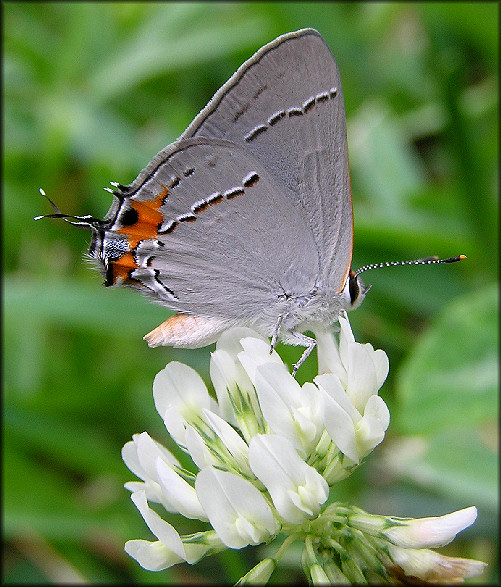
274, 338
303, 340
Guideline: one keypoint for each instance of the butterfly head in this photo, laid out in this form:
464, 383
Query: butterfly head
356, 290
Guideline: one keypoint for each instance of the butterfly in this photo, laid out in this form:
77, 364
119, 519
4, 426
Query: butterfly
246, 219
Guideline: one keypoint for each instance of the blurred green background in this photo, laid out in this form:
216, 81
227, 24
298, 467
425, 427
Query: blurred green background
91, 92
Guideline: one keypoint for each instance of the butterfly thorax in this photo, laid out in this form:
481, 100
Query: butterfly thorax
315, 311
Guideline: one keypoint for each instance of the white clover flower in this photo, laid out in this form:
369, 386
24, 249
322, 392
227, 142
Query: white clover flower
421, 533
431, 567
266, 453
296, 489
236, 508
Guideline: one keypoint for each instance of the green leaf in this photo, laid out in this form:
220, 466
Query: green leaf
448, 403
450, 379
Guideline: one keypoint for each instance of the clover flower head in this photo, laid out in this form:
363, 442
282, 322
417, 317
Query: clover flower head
266, 453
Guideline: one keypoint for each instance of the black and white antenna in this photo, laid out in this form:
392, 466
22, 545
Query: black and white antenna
81, 221
426, 261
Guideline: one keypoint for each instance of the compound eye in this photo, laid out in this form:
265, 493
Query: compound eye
357, 290
354, 288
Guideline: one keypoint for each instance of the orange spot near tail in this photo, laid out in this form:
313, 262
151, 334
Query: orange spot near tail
148, 219
121, 268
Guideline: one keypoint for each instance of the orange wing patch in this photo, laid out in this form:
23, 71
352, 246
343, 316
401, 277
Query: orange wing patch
120, 269
149, 218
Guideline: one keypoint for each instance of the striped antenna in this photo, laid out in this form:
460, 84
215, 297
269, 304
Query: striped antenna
425, 261
86, 221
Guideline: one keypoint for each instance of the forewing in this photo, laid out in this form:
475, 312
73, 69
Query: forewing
285, 106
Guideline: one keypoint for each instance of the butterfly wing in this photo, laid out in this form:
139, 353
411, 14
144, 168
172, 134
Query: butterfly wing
211, 233
251, 207
285, 106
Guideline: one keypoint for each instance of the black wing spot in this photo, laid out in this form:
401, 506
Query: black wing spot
251, 180
255, 132
200, 207
186, 218
234, 193
129, 217
170, 227
214, 199
276, 117
308, 105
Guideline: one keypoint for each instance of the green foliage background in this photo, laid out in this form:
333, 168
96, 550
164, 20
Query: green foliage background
91, 92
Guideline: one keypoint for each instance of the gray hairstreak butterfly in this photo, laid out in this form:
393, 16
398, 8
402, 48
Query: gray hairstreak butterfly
246, 219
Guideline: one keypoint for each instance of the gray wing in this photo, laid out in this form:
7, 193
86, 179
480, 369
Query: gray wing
285, 107
233, 242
